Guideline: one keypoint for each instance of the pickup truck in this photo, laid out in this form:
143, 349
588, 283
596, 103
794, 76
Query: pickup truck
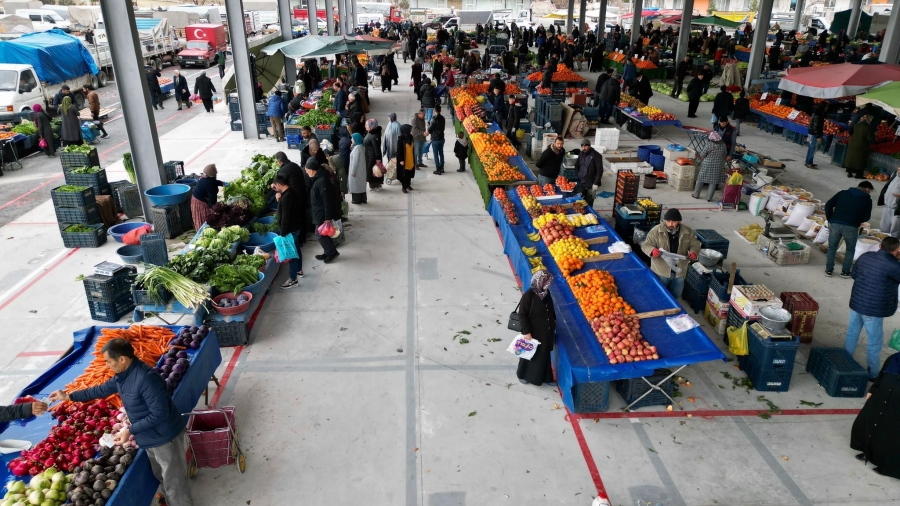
203, 41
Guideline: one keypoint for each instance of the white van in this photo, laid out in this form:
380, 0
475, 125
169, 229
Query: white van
44, 19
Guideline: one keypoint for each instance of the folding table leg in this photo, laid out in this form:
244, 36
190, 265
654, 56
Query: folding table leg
657, 387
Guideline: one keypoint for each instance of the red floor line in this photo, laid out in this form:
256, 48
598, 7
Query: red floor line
191, 159
225, 377
38, 278
715, 413
33, 223
25, 354
588, 456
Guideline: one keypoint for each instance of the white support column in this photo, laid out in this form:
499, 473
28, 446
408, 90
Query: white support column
243, 78
636, 21
569, 15
684, 32
329, 16
889, 47
140, 124
601, 23
287, 33
758, 49
853, 23
313, 17
354, 17
582, 17
798, 14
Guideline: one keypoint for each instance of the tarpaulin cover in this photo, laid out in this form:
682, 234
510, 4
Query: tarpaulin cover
887, 97
715, 21
55, 55
578, 357
842, 20
138, 482
841, 80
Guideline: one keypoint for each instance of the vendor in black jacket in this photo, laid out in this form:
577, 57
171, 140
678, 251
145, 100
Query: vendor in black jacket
513, 116
605, 76
681, 71
590, 171
321, 196
549, 163
723, 104
20, 411
290, 218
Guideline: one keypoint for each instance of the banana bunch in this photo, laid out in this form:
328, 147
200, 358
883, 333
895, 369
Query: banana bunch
647, 110
529, 251
581, 220
534, 237
536, 262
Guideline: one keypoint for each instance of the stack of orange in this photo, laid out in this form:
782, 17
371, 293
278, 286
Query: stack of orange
597, 294
496, 143
564, 184
616, 57
779, 111
563, 73
461, 99
498, 169
478, 89
549, 189
644, 64
473, 124
536, 190
569, 265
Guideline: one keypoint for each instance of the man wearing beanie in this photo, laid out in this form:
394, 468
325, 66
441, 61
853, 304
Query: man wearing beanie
673, 237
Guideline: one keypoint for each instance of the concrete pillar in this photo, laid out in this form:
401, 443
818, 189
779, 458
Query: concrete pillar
601, 23
684, 32
889, 47
758, 49
243, 78
140, 124
853, 23
287, 33
636, 21
329, 17
798, 14
570, 13
354, 17
342, 16
313, 17
582, 18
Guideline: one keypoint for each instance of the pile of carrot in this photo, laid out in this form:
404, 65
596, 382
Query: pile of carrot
149, 344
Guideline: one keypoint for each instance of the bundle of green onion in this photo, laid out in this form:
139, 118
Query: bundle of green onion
188, 293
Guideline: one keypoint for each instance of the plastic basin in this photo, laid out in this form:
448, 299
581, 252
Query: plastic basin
118, 231
168, 194
266, 220
644, 152
231, 311
131, 254
187, 181
255, 286
266, 242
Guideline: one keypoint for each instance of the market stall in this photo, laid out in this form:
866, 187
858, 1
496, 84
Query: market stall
643, 120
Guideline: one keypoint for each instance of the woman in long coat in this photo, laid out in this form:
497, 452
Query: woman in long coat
712, 166
345, 145
356, 172
417, 77
70, 132
875, 428
406, 162
538, 320
372, 145
392, 66
857, 158
45, 128
389, 138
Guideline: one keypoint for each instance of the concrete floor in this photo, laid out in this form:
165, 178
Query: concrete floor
356, 387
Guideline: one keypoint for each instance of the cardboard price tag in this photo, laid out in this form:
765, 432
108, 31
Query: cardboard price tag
793, 114
778, 102
764, 95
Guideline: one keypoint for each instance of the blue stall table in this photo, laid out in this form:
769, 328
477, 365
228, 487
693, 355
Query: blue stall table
138, 485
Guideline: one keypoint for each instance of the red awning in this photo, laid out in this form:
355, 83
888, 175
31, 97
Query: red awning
842, 80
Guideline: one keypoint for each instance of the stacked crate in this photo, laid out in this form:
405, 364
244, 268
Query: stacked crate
770, 362
804, 310
710, 239
167, 220
680, 176
174, 170
607, 138
79, 208
837, 372
109, 297
627, 183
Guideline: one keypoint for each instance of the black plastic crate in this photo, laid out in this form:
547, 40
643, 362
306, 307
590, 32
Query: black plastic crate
114, 191
695, 299
772, 353
235, 333
591, 397
97, 179
130, 198
84, 239
763, 379
99, 288
166, 220
710, 239
75, 160
174, 170
837, 372
83, 198
155, 250
631, 389
735, 319
143, 296
111, 312
718, 283
78, 215
184, 214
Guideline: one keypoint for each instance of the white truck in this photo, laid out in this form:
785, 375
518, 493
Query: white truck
159, 43
468, 21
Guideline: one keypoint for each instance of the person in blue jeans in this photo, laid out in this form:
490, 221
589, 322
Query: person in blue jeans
289, 218
436, 130
876, 276
816, 130
846, 211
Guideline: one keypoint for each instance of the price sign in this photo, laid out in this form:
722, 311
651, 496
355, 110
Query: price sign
793, 114
764, 95
897, 133
778, 102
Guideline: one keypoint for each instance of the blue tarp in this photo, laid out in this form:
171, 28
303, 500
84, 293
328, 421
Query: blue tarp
55, 55
578, 357
138, 482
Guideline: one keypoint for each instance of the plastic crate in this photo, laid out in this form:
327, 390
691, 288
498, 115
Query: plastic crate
111, 312
84, 239
100, 288
804, 310
771, 353
736, 318
652, 210
235, 333
718, 283
324, 133
837, 372
166, 220
766, 380
695, 298
631, 389
681, 184
96, 180
83, 198
78, 215
114, 191
130, 199
75, 160
143, 296
710, 239
155, 250
838, 153
174, 170
184, 213
293, 141
781, 255
591, 397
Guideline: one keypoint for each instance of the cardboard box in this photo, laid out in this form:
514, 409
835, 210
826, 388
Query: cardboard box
713, 298
718, 322
772, 163
675, 155
750, 306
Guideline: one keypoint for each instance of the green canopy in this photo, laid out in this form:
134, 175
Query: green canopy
305, 47
842, 20
887, 97
715, 21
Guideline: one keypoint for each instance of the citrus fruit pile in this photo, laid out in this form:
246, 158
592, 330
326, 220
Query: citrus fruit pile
570, 247
568, 265
473, 124
478, 89
562, 74
544, 219
564, 184
509, 210
597, 294
530, 203
581, 220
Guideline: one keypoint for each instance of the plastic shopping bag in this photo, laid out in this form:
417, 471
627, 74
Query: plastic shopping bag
737, 340
895, 340
523, 348
133, 237
338, 228
326, 229
681, 323
285, 249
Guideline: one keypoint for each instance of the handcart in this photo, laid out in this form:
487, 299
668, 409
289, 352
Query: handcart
212, 437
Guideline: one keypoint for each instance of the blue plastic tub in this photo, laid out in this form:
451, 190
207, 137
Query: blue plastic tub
646, 150
119, 231
657, 161
264, 241
168, 194
131, 254
266, 220
188, 181
254, 288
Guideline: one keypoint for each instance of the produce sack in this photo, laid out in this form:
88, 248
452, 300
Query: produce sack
285, 249
326, 229
523, 348
895, 340
133, 237
338, 228
737, 340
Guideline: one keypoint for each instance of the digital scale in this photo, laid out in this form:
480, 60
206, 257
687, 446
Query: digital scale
765, 333
775, 232
107, 269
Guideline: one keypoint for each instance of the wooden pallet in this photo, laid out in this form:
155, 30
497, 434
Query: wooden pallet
85, 114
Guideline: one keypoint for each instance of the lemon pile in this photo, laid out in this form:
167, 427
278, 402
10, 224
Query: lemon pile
581, 220
570, 247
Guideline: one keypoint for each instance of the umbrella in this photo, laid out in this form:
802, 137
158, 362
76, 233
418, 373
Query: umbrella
887, 97
715, 21
327, 45
833, 81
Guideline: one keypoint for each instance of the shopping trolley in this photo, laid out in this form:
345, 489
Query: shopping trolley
213, 439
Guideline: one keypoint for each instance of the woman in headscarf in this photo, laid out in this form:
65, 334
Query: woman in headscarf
70, 132
862, 137
345, 145
385, 72
538, 321
417, 77
204, 195
356, 171
372, 145
389, 139
45, 128
406, 160
357, 123
354, 105
874, 430
712, 166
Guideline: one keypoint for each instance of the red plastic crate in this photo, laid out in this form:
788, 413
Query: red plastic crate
804, 310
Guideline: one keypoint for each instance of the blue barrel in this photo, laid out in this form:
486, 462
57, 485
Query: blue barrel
657, 161
645, 151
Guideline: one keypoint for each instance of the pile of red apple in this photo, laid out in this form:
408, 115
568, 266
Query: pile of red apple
554, 231
74, 440
620, 336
